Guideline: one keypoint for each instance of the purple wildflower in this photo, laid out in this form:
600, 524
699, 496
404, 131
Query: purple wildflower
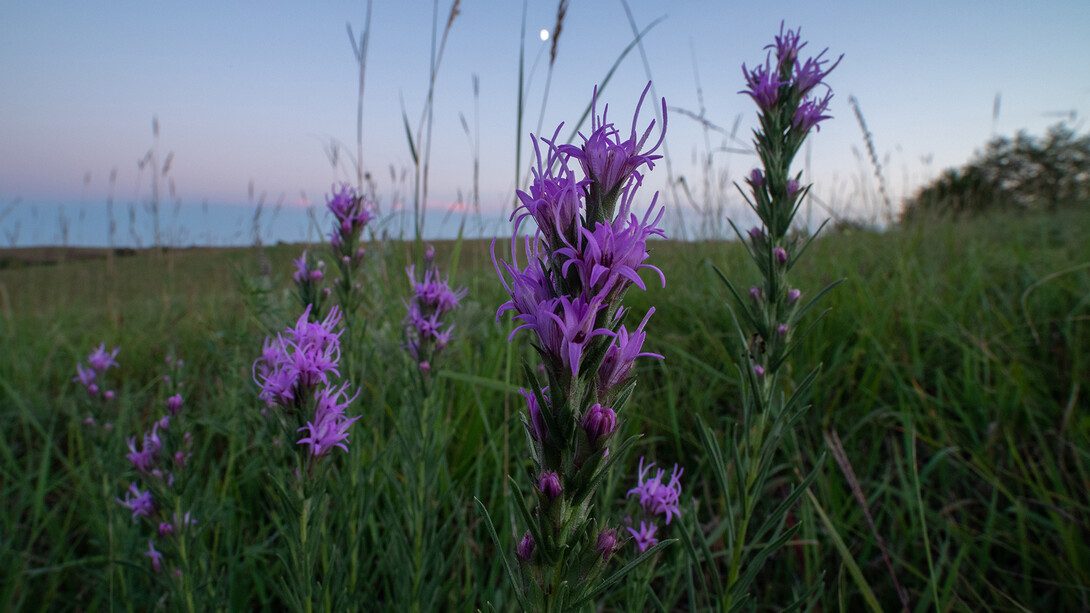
156, 557
758, 370
793, 295
645, 537
656, 497
85, 376
622, 354
812, 72
811, 112
607, 259
144, 459
787, 47
535, 423
330, 426
100, 360
607, 160
140, 503
780, 254
764, 85
554, 197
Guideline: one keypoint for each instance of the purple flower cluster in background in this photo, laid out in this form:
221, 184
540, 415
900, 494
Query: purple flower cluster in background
656, 498
431, 300
295, 367
97, 364
156, 469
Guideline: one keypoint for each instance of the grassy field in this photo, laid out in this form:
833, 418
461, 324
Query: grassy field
950, 421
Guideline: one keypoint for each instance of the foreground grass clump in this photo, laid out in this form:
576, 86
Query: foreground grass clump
950, 410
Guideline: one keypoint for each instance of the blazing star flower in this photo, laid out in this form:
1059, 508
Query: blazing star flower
764, 85
787, 47
535, 424
299, 359
100, 360
645, 537
555, 197
302, 271
140, 503
656, 497
330, 426
811, 112
622, 354
812, 72
85, 376
156, 557
144, 459
608, 258
607, 160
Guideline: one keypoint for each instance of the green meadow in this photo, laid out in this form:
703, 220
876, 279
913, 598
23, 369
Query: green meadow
949, 427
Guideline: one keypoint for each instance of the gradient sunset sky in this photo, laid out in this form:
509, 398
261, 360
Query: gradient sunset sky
255, 91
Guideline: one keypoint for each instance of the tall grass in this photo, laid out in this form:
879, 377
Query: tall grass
955, 369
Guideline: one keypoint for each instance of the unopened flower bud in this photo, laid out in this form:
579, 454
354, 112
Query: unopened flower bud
758, 370
525, 549
755, 293
793, 295
315, 275
549, 484
757, 178
174, 404
793, 188
607, 542
108, 395
781, 255
325, 292
782, 329
599, 421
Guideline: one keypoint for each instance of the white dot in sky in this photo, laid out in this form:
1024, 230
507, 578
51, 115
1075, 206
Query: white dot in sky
544, 35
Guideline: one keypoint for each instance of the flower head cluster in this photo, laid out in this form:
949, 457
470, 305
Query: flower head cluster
156, 466
656, 498
295, 367
432, 298
330, 426
791, 82
298, 360
97, 364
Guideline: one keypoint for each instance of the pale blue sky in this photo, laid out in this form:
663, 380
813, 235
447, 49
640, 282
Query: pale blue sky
253, 90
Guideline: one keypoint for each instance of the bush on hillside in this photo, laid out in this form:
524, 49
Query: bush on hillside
1025, 173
